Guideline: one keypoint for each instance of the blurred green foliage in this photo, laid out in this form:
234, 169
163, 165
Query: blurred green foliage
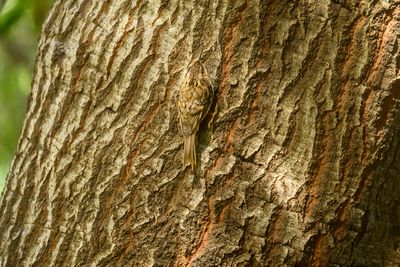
20, 24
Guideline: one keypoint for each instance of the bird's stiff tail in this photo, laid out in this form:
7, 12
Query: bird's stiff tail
189, 151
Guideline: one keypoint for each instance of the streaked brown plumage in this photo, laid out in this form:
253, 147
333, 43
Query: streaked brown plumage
193, 101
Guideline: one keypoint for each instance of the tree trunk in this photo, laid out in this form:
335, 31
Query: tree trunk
300, 168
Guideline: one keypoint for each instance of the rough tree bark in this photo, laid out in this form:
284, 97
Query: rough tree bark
301, 168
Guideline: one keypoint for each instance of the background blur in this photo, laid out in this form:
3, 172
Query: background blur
20, 24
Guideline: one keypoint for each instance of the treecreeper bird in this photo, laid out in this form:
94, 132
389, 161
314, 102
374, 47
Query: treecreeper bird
193, 101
